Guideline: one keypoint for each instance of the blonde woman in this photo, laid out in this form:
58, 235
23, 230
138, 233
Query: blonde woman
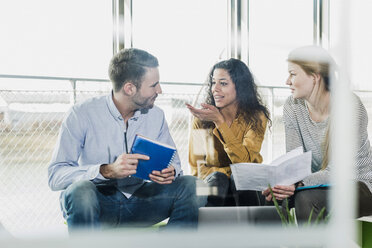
306, 119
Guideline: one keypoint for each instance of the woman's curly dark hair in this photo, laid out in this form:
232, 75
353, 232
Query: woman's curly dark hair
249, 101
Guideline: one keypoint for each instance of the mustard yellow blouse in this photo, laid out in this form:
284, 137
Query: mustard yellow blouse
214, 150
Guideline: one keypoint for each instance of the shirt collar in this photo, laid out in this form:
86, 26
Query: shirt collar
115, 112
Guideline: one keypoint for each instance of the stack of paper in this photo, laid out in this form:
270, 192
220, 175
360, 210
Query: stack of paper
285, 170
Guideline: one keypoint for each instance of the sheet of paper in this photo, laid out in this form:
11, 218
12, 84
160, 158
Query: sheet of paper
293, 167
250, 176
294, 170
295, 152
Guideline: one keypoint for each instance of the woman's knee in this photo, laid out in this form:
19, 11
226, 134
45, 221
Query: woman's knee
303, 205
302, 198
364, 200
217, 179
310, 200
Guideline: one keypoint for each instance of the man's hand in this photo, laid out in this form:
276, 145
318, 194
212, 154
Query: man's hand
165, 176
125, 165
207, 113
280, 192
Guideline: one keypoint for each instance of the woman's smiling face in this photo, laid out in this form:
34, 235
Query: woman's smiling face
223, 89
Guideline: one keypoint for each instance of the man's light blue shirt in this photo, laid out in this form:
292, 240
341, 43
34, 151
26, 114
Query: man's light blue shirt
93, 133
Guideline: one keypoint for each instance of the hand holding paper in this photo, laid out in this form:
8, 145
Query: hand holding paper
280, 192
286, 170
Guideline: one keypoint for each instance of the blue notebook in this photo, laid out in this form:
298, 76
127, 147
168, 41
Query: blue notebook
161, 155
313, 187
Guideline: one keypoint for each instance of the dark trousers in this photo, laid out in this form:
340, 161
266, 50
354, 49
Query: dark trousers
224, 193
316, 199
92, 207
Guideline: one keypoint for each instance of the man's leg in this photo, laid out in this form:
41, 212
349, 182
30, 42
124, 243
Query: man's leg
219, 184
86, 206
154, 202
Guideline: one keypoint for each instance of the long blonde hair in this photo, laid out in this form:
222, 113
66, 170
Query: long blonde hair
314, 59
326, 150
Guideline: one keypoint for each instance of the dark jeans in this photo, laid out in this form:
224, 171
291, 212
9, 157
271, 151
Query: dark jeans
305, 200
224, 192
90, 207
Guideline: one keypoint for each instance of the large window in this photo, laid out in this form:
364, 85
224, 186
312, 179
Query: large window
188, 37
275, 28
74, 38
360, 38
53, 39
56, 38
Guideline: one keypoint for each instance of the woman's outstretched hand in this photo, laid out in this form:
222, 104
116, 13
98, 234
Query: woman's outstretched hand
207, 113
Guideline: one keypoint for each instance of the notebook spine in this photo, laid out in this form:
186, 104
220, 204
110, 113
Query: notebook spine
172, 158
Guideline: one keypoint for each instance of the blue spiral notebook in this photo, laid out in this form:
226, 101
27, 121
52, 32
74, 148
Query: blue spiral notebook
161, 155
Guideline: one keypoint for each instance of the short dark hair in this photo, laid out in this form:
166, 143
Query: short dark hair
130, 65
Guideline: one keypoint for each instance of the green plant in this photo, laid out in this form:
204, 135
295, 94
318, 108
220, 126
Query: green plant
290, 220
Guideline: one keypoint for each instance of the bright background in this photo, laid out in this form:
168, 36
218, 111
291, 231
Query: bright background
73, 38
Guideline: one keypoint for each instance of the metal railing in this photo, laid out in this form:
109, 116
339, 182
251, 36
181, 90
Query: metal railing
29, 124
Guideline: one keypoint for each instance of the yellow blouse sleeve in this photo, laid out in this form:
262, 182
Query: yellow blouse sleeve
238, 151
194, 156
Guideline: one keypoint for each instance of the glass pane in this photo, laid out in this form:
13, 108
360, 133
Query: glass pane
275, 28
43, 38
56, 38
360, 46
188, 37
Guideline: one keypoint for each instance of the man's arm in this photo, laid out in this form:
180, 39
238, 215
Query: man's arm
64, 168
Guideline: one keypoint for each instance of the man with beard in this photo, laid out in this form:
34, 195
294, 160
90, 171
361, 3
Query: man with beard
92, 164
